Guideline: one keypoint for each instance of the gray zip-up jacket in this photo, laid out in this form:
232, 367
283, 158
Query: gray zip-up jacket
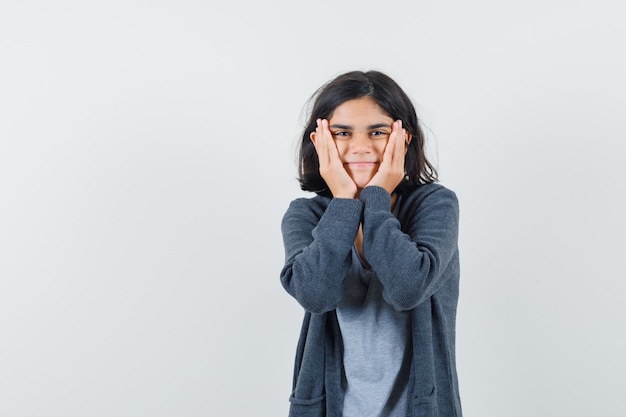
415, 256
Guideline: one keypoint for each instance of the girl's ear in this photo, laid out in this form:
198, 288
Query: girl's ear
312, 137
408, 139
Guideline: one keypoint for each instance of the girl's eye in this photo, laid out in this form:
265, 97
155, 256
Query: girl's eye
379, 134
341, 135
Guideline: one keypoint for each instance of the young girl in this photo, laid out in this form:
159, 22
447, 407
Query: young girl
372, 259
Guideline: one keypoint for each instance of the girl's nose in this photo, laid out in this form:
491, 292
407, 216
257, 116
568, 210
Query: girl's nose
360, 142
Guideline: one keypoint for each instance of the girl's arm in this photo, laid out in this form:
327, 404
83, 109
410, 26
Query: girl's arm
411, 263
317, 250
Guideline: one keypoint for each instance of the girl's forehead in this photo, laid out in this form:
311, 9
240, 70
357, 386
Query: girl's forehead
363, 109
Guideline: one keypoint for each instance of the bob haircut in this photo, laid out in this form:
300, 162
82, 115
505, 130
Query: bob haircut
392, 99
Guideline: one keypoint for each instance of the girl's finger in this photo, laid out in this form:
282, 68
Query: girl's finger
391, 149
401, 142
320, 144
331, 147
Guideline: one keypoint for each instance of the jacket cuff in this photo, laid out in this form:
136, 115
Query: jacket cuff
341, 208
376, 198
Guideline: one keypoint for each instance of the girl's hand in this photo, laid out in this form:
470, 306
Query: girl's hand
332, 170
391, 170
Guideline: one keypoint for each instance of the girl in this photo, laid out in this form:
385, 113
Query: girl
372, 259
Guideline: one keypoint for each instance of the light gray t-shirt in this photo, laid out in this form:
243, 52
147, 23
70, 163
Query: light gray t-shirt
377, 348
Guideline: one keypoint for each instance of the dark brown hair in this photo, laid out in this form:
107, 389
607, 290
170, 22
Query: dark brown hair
391, 98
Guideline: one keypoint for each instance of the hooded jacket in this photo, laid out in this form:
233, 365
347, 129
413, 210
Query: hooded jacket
414, 255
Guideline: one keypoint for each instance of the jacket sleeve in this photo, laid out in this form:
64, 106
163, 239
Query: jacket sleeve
410, 261
317, 251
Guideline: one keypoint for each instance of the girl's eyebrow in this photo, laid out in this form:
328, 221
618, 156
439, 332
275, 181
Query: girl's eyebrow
378, 125
374, 126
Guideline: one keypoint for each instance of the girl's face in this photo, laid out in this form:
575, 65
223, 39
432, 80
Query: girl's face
361, 130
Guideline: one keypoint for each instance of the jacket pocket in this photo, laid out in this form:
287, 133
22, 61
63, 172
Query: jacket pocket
309, 407
426, 406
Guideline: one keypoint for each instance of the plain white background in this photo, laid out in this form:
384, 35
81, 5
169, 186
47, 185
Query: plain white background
147, 157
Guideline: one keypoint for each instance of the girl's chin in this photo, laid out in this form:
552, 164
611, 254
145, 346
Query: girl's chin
361, 182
